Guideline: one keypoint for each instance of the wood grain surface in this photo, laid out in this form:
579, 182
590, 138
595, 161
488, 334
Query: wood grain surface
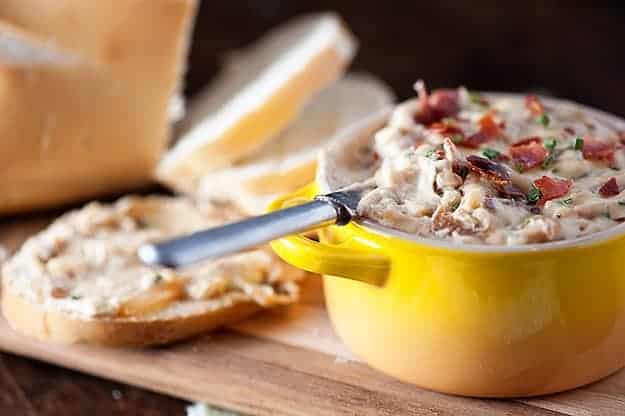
283, 362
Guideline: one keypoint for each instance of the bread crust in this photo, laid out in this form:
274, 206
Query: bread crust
61, 328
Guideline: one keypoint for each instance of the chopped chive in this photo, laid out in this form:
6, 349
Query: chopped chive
476, 98
75, 297
455, 205
157, 278
457, 138
550, 143
533, 195
543, 119
566, 202
548, 161
622, 203
491, 154
579, 144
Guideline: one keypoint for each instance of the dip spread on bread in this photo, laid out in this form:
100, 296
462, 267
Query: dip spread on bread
85, 264
495, 169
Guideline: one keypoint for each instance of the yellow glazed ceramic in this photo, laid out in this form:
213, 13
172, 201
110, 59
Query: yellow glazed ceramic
494, 322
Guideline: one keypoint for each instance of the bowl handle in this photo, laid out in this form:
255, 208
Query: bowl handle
328, 259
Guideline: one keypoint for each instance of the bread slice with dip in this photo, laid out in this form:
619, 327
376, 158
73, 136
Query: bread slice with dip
80, 281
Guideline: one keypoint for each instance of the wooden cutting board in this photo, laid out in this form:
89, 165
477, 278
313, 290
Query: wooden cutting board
286, 362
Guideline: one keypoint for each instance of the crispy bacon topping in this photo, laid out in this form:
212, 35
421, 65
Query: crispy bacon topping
450, 130
529, 152
510, 190
595, 149
551, 188
533, 104
528, 140
497, 175
492, 171
610, 188
488, 130
442, 103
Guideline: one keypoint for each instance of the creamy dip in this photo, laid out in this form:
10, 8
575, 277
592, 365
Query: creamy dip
85, 264
495, 169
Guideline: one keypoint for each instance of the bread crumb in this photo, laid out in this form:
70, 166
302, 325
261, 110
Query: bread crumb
203, 409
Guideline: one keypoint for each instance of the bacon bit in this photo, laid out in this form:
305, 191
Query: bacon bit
552, 188
58, 292
442, 103
534, 105
529, 153
450, 130
488, 169
460, 168
488, 130
596, 149
610, 188
528, 140
376, 156
510, 190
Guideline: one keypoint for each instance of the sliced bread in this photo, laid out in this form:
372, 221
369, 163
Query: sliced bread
80, 281
259, 92
288, 161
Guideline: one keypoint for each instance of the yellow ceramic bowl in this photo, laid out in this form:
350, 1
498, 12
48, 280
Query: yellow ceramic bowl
500, 321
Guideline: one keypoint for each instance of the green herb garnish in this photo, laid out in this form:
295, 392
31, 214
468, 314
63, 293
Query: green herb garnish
455, 205
566, 202
491, 154
75, 297
476, 98
550, 143
157, 278
579, 144
534, 195
430, 153
457, 138
543, 119
622, 203
548, 161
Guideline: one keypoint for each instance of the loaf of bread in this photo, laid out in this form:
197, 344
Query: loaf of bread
86, 92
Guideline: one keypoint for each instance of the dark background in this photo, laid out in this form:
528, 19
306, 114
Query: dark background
566, 48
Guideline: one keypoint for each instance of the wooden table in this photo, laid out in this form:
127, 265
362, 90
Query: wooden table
32, 388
